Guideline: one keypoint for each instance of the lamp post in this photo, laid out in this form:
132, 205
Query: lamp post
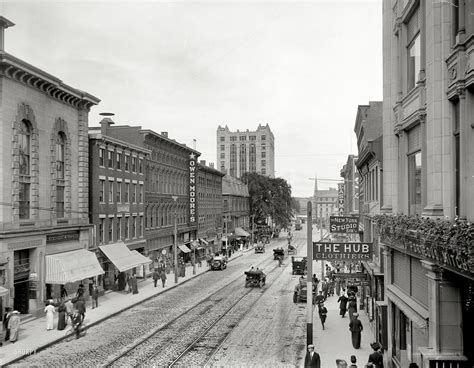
175, 243
194, 261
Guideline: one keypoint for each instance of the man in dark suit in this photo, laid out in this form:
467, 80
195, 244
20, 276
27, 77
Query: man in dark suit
312, 359
356, 328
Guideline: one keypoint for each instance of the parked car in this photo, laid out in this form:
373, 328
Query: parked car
219, 263
299, 265
300, 292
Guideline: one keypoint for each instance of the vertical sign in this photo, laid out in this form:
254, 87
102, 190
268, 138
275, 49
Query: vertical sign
192, 189
340, 198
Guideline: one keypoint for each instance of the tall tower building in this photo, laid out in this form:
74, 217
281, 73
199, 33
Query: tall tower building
249, 151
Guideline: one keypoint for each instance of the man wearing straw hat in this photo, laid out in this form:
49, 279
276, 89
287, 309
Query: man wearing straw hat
312, 359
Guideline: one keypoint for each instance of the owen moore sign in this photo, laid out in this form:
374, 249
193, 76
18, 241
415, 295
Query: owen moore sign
192, 189
343, 225
352, 251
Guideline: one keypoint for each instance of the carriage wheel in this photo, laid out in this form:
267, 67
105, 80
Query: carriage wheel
295, 298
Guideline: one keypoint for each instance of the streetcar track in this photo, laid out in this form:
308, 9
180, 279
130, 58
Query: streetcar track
127, 350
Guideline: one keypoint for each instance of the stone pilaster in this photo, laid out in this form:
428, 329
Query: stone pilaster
83, 164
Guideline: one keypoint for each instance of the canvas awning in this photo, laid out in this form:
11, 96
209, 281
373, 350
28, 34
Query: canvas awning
412, 314
241, 232
71, 266
122, 257
184, 248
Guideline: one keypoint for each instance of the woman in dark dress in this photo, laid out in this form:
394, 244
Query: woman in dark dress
62, 317
376, 358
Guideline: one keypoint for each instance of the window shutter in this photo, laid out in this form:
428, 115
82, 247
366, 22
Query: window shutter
419, 282
401, 271
414, 139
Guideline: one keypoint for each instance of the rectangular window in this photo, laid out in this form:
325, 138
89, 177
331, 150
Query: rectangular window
101, 157
110, 230
264, 171
134, 227
118, 192
222, 147
118, 228
127, 193
141, 193
134, 193
222, 139
134, 164
59, 201
100, 237
263, 163
127, 234
118, 164
413, 64
242, 138
111, 191
127, 163
233, 138
222, 155
142, 226
140, 166
264, 154
101, 190
263, 137
414, 183
110, 159
253, 138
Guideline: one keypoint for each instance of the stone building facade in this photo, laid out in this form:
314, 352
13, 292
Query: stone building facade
248, 151
428, 146
44, 191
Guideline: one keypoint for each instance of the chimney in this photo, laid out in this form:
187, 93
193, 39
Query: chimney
4, 24
105, 122
164, 134
211, 165
203, 162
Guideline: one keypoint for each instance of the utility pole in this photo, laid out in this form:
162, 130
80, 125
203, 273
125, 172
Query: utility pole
309, 275
175, 243
323, 265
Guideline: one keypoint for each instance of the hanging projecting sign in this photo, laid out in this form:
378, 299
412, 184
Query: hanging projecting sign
340, 198
343, 225
192, 189
353, 251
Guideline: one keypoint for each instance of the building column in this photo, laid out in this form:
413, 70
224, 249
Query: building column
402, 204
445, 317
387, 261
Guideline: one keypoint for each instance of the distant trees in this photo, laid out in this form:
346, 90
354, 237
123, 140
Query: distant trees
270, 197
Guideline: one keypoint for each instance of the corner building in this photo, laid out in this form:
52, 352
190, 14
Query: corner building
428, 150
44, 185
249, 151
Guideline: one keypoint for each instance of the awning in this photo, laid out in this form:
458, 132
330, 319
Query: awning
71, 266
184, 248
3, 291
420, 318
204, 241
241, 232
122, 257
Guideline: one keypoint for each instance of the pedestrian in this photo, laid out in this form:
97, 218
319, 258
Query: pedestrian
376, 358
323, 312
312, 359
353, 362
352, 306
61, 316
129, 283
80, 291
319, 298
69, 309
134, 285
325, 289
163, 277
14, 325
77, 322
63, 292
338, 286
49, 310
342, 305
95, 296
355, 326
156, 276
6, 319
341, 363
81, 307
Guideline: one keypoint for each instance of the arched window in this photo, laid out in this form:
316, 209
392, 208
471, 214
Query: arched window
60, 155
24, 147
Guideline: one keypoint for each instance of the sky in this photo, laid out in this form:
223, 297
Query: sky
186, 67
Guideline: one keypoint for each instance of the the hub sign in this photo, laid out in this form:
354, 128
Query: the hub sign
343, 225
354, 251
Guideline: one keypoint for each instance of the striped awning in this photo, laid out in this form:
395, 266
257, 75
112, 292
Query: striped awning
122, 257
184, 248
241, 232
71, 266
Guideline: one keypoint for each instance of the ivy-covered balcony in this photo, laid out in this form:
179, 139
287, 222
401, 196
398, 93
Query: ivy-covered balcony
448, 243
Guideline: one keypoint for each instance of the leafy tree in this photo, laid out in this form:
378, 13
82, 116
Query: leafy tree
269, 197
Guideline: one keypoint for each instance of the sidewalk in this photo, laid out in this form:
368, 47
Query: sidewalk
34, 337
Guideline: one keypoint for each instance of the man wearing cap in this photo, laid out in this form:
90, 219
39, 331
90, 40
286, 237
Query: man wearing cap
312, 359
356, 328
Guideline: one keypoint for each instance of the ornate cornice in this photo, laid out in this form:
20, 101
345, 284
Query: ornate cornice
24, 73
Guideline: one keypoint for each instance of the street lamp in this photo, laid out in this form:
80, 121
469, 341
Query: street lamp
175, 243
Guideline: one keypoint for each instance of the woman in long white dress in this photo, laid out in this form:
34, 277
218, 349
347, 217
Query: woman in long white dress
14, 325
49, 310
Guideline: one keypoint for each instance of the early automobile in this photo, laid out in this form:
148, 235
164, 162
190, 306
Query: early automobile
219, 263
255, 278
278, 252
300, 293
260, 248
299, 265
291, 249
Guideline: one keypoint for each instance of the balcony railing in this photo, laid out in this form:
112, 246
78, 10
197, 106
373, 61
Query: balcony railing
450, 244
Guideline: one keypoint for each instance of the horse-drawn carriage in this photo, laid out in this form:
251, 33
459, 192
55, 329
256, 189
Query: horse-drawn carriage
278, 252
255, 278
299, 265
